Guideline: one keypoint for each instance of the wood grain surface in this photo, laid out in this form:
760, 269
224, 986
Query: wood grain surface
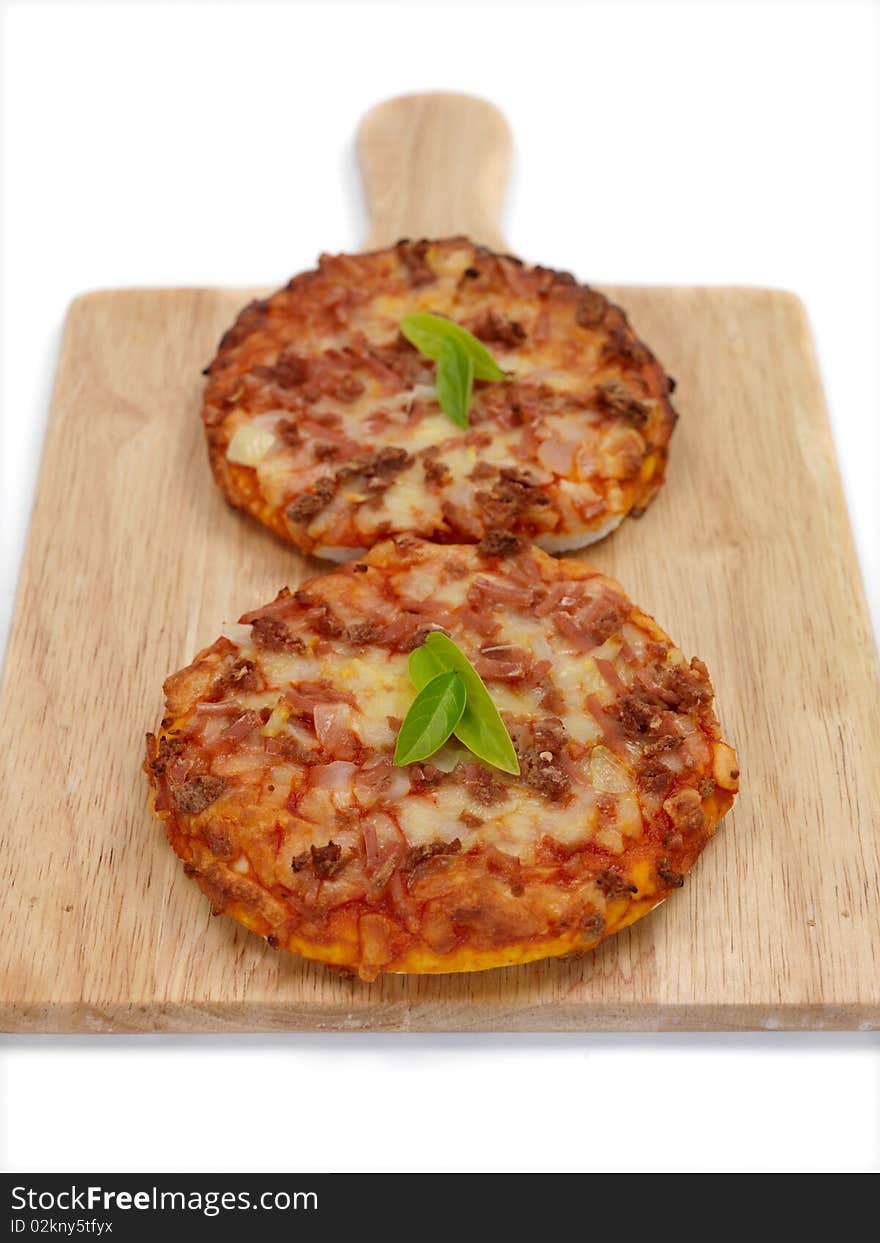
134, 562
434, 165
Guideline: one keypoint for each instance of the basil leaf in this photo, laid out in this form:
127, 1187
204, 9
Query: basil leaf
433, 715
423, 665
428, 332
480, 728
455, 382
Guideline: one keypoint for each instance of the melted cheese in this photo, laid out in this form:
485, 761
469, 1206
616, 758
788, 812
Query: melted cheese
377, 681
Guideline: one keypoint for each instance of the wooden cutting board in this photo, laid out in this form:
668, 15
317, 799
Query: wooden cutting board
134, 561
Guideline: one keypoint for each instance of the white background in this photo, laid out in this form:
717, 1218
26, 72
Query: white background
171, 144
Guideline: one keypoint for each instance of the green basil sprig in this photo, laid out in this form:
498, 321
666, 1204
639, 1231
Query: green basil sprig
455, 382
478, 726
459, 356
433, 715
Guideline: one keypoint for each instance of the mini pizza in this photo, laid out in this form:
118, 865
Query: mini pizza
273, 767
323, 421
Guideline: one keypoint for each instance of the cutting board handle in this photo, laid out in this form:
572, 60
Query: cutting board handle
434, 165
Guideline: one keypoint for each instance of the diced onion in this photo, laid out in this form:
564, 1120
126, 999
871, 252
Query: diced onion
629, 815
672, 760
611, 840
249, 445
607, 773
697, 748
399, 786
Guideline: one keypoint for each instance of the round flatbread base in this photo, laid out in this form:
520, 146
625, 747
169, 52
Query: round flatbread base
273, 773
